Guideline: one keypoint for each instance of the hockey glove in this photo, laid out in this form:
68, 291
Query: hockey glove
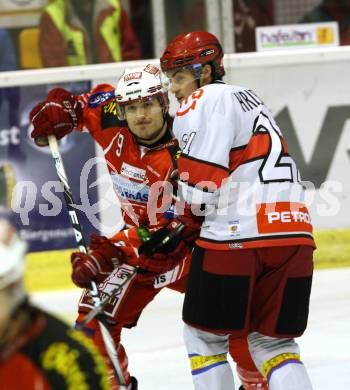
96, 265
165, 248
58, 115
160, 263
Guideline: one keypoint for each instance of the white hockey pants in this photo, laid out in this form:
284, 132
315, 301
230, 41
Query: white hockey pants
279, 361
208, 357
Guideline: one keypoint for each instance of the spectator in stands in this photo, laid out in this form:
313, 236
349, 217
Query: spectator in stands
37, 351
329, 11
8, 62
247, 14
141, 19
76, 32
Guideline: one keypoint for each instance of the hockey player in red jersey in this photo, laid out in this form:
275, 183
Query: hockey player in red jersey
38, 351
139, 157
251, 268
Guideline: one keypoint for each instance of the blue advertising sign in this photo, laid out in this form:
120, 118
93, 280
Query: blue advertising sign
30, 192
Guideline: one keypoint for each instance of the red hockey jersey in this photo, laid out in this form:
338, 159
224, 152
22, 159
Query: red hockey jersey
138, 173
141, 177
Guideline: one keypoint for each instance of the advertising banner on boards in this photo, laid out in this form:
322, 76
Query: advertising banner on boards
297, 36
29, 186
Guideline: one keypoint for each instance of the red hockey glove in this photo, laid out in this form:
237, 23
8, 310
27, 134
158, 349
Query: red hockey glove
96, 265
58, 115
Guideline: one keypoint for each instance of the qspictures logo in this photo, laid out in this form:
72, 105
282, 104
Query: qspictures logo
297, 36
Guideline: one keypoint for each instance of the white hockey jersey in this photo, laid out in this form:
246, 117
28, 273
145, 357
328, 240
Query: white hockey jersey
235, 161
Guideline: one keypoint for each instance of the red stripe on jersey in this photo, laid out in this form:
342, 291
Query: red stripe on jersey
259, 243
283, 217
258, 147
202, 174
284, 146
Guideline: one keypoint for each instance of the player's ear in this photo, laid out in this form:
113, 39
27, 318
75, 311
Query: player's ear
206, 76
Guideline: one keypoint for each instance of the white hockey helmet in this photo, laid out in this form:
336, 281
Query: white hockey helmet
140, 84
12, 251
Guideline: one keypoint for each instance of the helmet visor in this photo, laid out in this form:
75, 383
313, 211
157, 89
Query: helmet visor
184, 81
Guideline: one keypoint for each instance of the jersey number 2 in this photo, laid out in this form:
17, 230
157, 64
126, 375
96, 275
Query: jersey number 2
272, 169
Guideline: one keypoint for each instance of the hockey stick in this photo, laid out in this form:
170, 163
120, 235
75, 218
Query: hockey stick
107, 338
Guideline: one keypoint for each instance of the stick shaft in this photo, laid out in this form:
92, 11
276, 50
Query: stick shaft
107, 338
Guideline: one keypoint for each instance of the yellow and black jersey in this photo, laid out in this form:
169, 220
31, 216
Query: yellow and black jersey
49, 355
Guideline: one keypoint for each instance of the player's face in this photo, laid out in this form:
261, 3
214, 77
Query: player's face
145, 119
182, 83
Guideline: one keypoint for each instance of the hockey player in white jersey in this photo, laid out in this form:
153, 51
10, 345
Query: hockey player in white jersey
251, 269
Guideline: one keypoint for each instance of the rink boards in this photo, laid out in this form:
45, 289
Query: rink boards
51, 270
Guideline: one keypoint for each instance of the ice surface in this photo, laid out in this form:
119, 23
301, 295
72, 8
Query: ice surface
158, 358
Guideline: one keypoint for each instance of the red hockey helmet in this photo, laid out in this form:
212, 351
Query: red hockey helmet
198, 47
